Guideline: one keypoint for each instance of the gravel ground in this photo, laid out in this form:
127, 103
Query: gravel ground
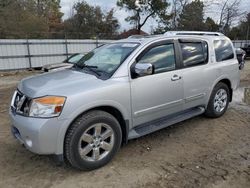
199, 152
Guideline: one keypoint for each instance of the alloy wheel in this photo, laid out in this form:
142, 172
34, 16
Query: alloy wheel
96, 142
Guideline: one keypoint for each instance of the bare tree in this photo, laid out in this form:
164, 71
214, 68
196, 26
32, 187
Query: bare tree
177, 7
230, 12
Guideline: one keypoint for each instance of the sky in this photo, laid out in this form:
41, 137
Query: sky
106, 5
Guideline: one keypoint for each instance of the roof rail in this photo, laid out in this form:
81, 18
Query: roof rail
137, 36
171, 33
143, 36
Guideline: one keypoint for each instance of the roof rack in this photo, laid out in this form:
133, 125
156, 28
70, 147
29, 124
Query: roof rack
171, 33
143, 36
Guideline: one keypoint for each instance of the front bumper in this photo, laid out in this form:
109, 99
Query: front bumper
39, 135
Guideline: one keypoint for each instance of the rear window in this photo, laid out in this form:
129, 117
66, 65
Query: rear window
194, 53
223, 50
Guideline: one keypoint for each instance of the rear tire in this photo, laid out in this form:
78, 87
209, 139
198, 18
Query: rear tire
92, 140
218, 102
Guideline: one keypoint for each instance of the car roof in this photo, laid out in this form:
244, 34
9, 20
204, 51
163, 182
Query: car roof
142, 39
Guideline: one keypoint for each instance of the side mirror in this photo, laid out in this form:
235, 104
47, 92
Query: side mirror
143, 69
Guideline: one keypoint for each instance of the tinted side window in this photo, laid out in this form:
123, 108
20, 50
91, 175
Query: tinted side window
162, 57
223, 50
195, 53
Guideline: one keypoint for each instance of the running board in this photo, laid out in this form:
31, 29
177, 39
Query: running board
161, 123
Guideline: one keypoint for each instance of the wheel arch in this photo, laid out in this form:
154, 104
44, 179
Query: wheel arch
124, 123
229, 85
225, 81
210, 111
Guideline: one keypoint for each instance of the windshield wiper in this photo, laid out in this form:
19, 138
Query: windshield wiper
89, 67
93, 69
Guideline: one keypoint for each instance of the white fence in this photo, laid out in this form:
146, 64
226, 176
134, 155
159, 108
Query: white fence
241, 43
21, 54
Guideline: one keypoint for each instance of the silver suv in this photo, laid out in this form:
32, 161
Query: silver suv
122, 91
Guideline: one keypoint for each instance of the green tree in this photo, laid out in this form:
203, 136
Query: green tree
235, 33
50, 11
29, 18
142, 10
210, 25
17, 19
242, 31
110, 24
192, 17
90, 21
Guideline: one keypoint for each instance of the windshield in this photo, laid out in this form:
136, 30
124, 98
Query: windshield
107, 58
74, 58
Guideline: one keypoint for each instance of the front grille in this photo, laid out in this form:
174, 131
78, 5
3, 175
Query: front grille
20, 103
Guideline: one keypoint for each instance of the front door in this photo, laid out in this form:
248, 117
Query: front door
160, 94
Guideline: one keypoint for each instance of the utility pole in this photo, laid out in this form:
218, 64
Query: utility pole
247, 43
247, 32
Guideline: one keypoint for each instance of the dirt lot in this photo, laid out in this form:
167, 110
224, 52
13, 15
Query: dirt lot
199, 152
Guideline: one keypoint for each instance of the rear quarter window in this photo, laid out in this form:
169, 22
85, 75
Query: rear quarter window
223, 50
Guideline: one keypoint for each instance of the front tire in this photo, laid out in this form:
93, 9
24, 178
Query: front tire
218, 102
92, 140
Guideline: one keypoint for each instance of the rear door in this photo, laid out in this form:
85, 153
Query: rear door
195, 71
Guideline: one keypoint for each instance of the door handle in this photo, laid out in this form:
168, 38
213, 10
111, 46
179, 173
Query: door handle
175, 77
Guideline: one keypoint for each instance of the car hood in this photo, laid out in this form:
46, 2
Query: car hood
63, 83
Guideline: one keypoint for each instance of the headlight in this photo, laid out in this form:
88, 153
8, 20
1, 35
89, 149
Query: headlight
49, 106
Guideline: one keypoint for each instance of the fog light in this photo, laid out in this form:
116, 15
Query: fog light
28, 142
